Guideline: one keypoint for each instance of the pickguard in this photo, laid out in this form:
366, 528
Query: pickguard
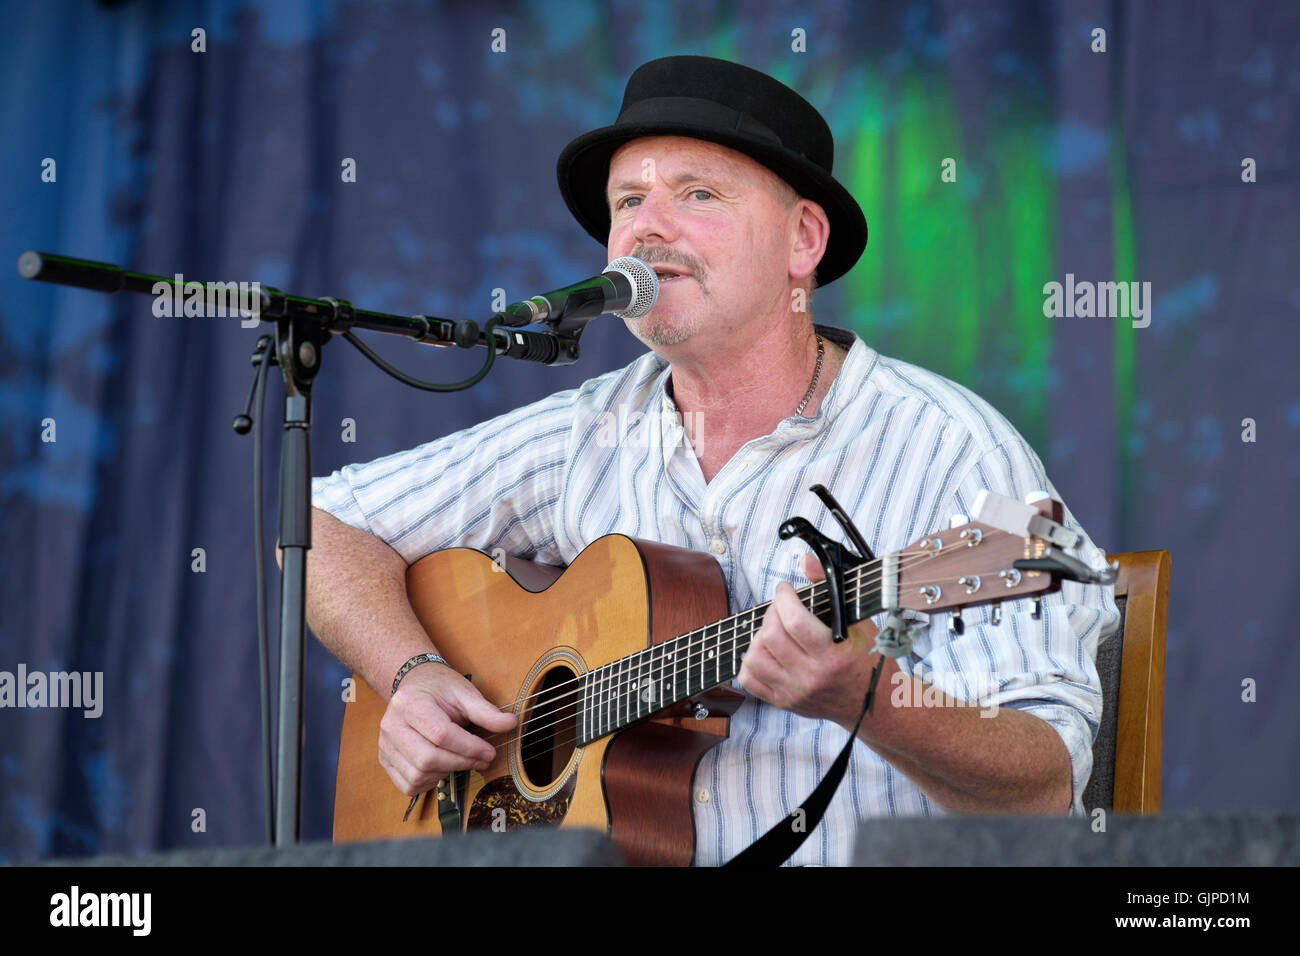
501, 795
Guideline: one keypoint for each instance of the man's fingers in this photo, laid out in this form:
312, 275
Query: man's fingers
401, 771
812, 568
414, 765
418, 756
762, 673
478, 710
438, 728
797, 623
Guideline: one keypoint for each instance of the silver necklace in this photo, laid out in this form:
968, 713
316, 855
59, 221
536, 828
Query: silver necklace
812, 387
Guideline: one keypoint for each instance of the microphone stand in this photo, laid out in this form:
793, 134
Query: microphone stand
302, 327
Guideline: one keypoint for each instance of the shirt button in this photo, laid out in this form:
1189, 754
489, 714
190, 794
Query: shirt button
702, 796
719, 547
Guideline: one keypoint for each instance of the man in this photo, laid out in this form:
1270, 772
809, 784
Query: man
720, 177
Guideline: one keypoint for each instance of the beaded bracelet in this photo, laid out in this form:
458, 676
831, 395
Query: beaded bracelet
414, 662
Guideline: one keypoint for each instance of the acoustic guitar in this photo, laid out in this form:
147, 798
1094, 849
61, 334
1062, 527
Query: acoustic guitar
617, 669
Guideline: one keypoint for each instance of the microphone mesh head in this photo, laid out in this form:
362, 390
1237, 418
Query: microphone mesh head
645, 286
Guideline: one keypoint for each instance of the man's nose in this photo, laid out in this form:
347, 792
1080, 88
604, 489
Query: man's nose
654, 219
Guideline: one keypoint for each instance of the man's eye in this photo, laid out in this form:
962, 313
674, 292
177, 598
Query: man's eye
623, 203
702, 192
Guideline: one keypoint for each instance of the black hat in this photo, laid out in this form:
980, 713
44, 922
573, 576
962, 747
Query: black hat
734, 106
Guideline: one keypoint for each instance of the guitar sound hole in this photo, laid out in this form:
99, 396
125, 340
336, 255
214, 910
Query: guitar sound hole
549, 731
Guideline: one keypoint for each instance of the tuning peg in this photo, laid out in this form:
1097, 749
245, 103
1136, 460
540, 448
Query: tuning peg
997, 614
955, 624
957, 520
1037, 612
1034, 496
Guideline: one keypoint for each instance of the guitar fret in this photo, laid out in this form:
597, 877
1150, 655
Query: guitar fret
706, 646
688, 687
606, 702
620, 693
642, 685
652, 684
656, 686
740, 642
587, 699
684, 664
667, 671
638, 685
627, 690
732, 666
649, 687
713, 654
614, 685
657, 668
656, 674
703, 651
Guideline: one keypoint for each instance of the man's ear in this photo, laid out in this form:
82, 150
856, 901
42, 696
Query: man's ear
809, 235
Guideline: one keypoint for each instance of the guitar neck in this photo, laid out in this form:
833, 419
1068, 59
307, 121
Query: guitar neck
632, 688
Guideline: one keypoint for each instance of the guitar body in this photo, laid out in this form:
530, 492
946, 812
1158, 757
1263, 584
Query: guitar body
524, 634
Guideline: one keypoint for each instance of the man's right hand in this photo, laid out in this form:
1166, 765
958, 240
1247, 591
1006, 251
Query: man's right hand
422, 736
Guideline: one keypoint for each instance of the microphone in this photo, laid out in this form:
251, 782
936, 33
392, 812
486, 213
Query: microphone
628, 288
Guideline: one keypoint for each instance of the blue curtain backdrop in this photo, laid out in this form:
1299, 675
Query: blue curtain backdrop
117, 458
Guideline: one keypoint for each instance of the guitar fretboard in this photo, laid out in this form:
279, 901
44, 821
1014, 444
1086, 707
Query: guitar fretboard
632, 688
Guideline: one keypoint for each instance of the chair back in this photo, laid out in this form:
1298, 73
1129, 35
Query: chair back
1131, 664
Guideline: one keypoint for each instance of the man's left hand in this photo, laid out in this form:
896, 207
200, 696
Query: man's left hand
793, 664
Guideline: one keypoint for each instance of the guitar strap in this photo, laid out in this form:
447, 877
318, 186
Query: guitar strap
779, 843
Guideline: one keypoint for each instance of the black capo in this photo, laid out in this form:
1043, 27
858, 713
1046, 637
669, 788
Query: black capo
835, 558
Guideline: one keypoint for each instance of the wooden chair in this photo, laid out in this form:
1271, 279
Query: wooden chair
1131, 664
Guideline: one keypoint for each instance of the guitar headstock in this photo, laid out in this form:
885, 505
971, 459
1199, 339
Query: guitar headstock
1015, 551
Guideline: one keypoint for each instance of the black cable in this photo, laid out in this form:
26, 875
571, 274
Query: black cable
431, 386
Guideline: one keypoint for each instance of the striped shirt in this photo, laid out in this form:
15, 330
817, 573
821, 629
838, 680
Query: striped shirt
902, 449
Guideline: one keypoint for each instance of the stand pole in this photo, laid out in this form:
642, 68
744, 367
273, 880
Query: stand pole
299, 359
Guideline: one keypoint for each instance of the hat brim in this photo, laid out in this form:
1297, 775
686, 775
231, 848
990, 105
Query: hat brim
583, 174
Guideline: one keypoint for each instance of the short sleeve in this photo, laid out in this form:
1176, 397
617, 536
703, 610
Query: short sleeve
491, 486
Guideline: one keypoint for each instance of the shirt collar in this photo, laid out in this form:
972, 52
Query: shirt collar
856, 363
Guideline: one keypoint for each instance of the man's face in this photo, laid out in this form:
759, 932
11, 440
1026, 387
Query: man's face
714, 224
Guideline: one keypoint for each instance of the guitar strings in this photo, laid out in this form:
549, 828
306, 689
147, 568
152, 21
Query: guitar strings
621, 717
729, 625
853, 588
694, 653
571, 716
